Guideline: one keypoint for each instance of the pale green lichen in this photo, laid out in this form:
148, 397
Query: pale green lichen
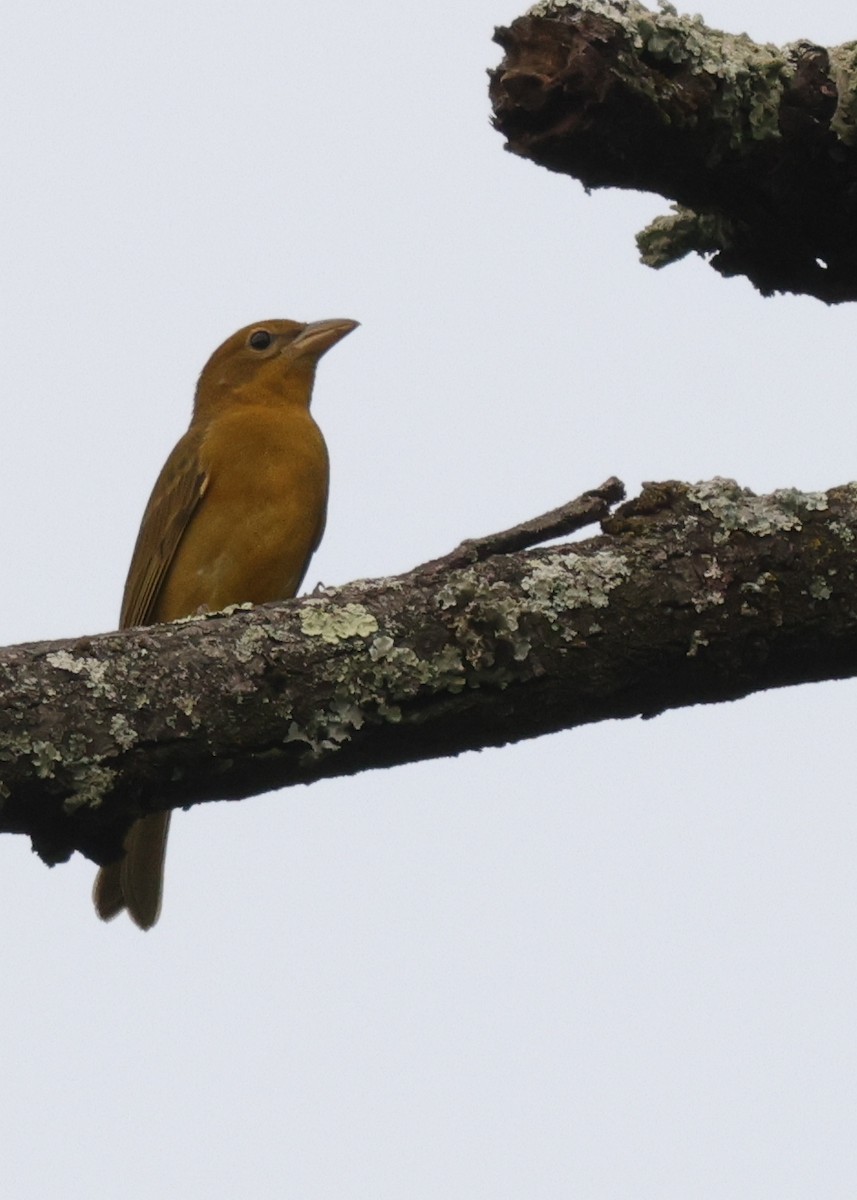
843, 531
561, 582
808, 501
251, 642
343, 716
750, 81
44, 755
297, 733
704, 599
368, 693
71, 760
756, 587
404, 661
752, 74
333, 623
122, 732
94, 670
561, 589
451, 594
671, 237
707, 597
697, 641
16, 746
737, 508
449, 667
820, 589
92, 784
335, 724
843, 72
760, 585
484, 616
380, 647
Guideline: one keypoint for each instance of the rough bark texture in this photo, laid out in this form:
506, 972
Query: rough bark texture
756, 144
692, 594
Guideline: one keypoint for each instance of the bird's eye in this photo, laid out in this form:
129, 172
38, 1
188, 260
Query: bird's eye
260, 339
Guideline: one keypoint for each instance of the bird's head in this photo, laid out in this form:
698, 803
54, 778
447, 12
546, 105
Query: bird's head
268, 362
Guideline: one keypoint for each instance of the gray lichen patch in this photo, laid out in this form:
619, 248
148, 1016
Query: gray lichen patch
334, 725
678, 37
707, 598
820, 589
713, 590
552, 586
69, 762
496, 623
752, 75
697, 641
843, 72
738, 509
745, 87
122, 732
560, 583
381, 647
251, 642
334, 623
672, 236
843, 531
44, 757
373, 687
93, 670
804, 501
93, 783
759, 586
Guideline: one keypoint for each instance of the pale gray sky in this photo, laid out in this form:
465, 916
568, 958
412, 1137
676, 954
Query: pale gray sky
613, 963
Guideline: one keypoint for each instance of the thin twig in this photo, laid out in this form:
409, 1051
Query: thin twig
587, 509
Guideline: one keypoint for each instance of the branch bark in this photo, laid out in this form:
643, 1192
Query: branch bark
756, 144
691, 594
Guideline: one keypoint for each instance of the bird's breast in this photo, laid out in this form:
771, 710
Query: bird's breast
260, 518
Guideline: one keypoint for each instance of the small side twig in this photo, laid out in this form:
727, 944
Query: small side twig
587, 509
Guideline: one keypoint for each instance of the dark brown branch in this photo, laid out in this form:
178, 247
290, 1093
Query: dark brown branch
692, 594
757, 145
588, 509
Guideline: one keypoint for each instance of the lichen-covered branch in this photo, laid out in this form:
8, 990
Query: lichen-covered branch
756, 144
692, 593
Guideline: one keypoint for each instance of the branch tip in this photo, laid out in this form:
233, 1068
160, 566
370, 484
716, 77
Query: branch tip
587, 509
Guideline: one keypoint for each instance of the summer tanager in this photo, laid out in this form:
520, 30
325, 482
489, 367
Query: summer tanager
235, 516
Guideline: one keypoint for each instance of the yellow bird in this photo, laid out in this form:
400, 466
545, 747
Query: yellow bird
235, 516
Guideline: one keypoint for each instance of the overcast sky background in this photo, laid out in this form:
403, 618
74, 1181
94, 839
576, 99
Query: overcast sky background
613, 963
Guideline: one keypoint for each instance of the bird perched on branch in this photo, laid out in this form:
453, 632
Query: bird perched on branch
235, 516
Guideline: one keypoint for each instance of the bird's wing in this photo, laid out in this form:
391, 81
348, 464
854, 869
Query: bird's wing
177, 493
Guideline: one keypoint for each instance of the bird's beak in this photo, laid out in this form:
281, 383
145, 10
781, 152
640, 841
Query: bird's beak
316, 338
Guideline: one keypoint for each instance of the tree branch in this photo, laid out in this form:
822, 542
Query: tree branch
588, 509
756, 144
692, 594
